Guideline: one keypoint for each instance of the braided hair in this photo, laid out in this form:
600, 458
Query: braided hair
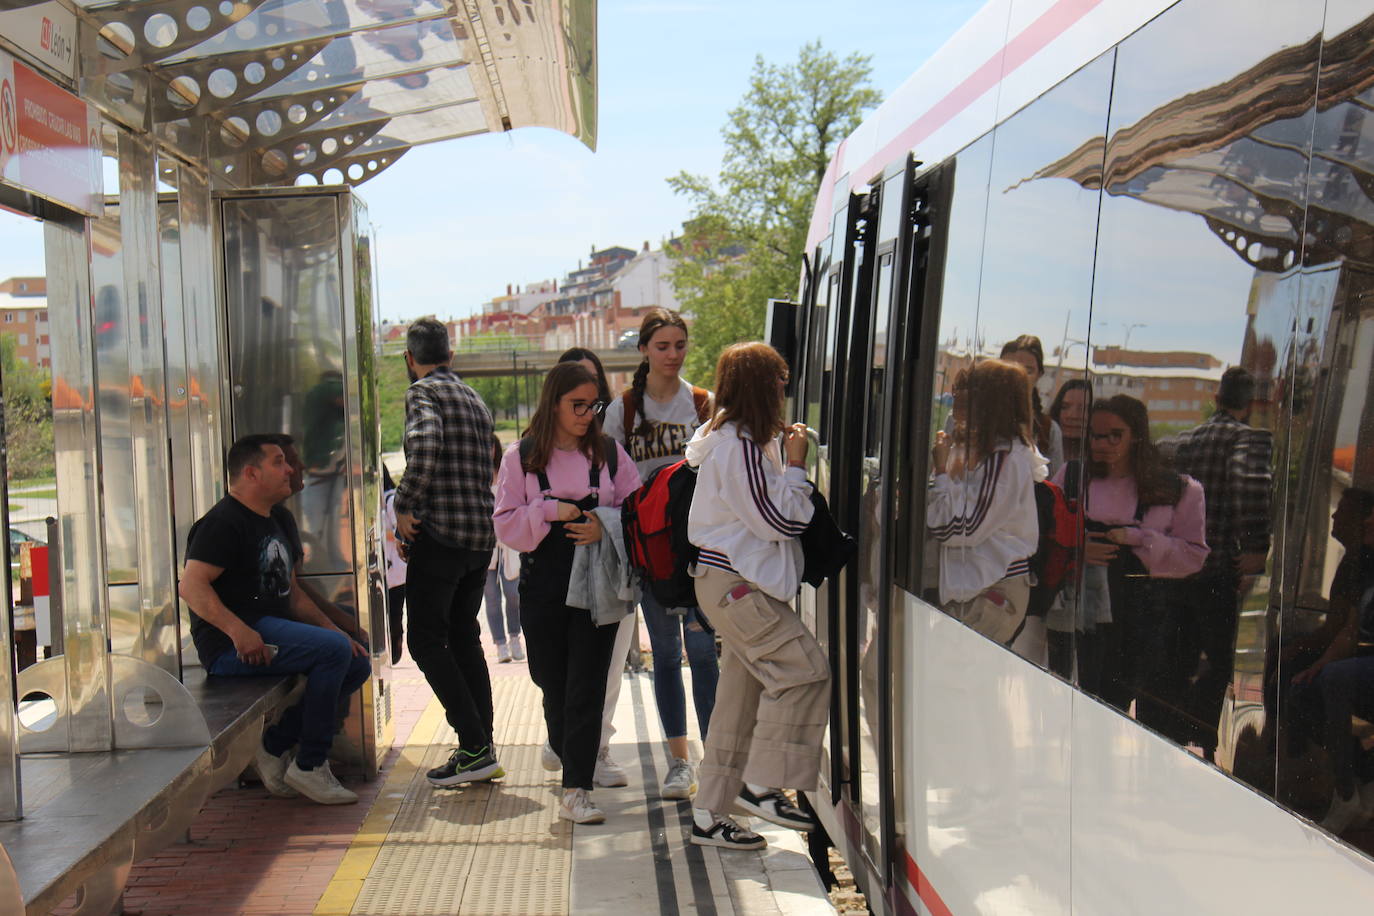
655, 320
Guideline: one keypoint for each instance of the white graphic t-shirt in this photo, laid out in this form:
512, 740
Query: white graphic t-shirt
671, 426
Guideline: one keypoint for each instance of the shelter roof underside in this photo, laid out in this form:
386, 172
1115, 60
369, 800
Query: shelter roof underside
281, 92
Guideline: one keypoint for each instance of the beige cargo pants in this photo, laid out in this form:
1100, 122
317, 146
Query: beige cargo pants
773, 700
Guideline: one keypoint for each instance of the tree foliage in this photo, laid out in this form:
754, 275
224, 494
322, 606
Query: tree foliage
28, 414
745, 241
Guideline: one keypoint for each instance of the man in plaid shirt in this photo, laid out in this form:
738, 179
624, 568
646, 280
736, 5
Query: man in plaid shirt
443, 512
1231, 459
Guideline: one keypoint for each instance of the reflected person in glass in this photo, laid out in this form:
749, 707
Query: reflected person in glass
981, 508
1146, 526
1069, 410
1339, 684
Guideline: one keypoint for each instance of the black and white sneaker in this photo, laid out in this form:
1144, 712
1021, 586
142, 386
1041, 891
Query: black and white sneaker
776, 807
465, 766
727, 834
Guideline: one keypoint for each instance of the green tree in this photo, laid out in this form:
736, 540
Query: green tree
745, 241
28, 414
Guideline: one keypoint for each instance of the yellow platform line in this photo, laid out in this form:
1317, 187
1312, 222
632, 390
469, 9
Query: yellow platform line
343, 890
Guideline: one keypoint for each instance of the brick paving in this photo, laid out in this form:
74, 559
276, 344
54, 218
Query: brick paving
250, 854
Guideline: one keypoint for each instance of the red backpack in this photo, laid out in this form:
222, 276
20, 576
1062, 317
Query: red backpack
654, 519
1061, 536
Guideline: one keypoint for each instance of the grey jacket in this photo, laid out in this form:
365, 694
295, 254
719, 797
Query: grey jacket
600, 581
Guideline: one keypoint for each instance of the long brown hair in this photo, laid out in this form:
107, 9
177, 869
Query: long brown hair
997, 395
543, 428
576, 355
1029, 343
747, 390
1156, 484
654, 321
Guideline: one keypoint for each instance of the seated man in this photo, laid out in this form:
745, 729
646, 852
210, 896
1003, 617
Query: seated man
250, 618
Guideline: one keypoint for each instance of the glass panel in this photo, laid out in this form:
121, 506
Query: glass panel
1319, 692
1198, 290
958, 314
1033, 311
286, 353
872, 514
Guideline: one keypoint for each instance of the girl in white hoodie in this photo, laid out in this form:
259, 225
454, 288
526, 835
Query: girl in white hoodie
981, 507
747, 512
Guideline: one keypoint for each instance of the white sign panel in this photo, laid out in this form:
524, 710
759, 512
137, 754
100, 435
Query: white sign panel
46, 32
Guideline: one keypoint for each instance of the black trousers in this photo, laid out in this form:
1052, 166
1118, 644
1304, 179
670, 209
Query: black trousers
443, 596
569, 656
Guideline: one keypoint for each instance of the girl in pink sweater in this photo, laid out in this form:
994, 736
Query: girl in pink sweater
1146, 526
544, 509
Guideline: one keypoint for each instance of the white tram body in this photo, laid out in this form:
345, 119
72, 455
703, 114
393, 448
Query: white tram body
1158, 190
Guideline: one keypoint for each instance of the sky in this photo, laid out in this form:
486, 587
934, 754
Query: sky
459, 220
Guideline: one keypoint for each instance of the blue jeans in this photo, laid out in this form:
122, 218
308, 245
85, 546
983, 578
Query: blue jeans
667, 634
498, 584
332, 672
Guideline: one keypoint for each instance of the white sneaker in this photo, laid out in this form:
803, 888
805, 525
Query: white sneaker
271, 770
502, 653
680, 782
517, 651
578, 807
609, 774
551, 761
319, 785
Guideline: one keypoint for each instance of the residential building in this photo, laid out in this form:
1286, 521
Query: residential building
24, 316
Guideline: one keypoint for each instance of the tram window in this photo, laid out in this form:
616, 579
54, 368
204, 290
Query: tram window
877, 402
816, 329
1198, 285
1033, 312
828, 344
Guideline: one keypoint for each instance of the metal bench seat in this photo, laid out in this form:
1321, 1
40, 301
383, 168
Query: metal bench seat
89, 816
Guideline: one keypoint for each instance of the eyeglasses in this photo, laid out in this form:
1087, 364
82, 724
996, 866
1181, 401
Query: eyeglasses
1114, 436
595, 407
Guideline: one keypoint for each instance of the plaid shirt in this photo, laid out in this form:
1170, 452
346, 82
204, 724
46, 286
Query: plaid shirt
447, 483
1232, 462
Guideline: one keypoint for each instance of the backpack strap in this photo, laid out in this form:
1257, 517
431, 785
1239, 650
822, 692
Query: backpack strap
701, 400
527, 446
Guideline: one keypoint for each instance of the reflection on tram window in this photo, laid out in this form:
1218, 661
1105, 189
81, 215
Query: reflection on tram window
1319, 684
981, 508
1146, 529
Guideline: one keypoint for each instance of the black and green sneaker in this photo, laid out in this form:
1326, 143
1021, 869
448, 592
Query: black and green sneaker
466, 766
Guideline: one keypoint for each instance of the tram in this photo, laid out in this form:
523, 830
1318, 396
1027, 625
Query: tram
1159, 191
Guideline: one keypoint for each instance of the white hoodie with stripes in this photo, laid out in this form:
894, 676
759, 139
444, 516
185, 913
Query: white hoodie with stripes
748, 510
986, 523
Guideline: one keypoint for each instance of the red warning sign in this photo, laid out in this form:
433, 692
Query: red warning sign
48, 139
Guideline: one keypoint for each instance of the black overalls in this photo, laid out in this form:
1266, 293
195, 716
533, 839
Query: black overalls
569, 654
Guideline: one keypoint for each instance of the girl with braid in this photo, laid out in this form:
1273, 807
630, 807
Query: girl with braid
654, 419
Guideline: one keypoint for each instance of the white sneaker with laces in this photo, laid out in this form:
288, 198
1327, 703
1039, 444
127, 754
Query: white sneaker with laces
681, 780
609, 774
550, 760
578, 807
517, 651
319, 785
502, 652
726, 833
271, 770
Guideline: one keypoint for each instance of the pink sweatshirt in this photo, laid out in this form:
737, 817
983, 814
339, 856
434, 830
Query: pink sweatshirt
523, 515
1171, 540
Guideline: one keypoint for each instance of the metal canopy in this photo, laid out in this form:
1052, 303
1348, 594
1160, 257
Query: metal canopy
282, 92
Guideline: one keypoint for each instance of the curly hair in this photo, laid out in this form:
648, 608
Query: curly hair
747, 392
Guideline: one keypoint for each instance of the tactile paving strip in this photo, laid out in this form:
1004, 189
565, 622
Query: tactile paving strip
506, 836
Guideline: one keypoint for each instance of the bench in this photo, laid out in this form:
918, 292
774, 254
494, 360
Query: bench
88, 817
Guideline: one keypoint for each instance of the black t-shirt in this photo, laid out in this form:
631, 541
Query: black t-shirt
292, 531
257, 556
1354, 581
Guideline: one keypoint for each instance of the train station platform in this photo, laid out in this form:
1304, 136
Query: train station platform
413, 850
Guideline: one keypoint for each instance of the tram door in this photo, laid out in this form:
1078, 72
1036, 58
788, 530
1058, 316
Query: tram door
300, 311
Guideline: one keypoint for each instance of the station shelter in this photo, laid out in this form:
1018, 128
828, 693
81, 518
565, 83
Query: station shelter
210, 273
